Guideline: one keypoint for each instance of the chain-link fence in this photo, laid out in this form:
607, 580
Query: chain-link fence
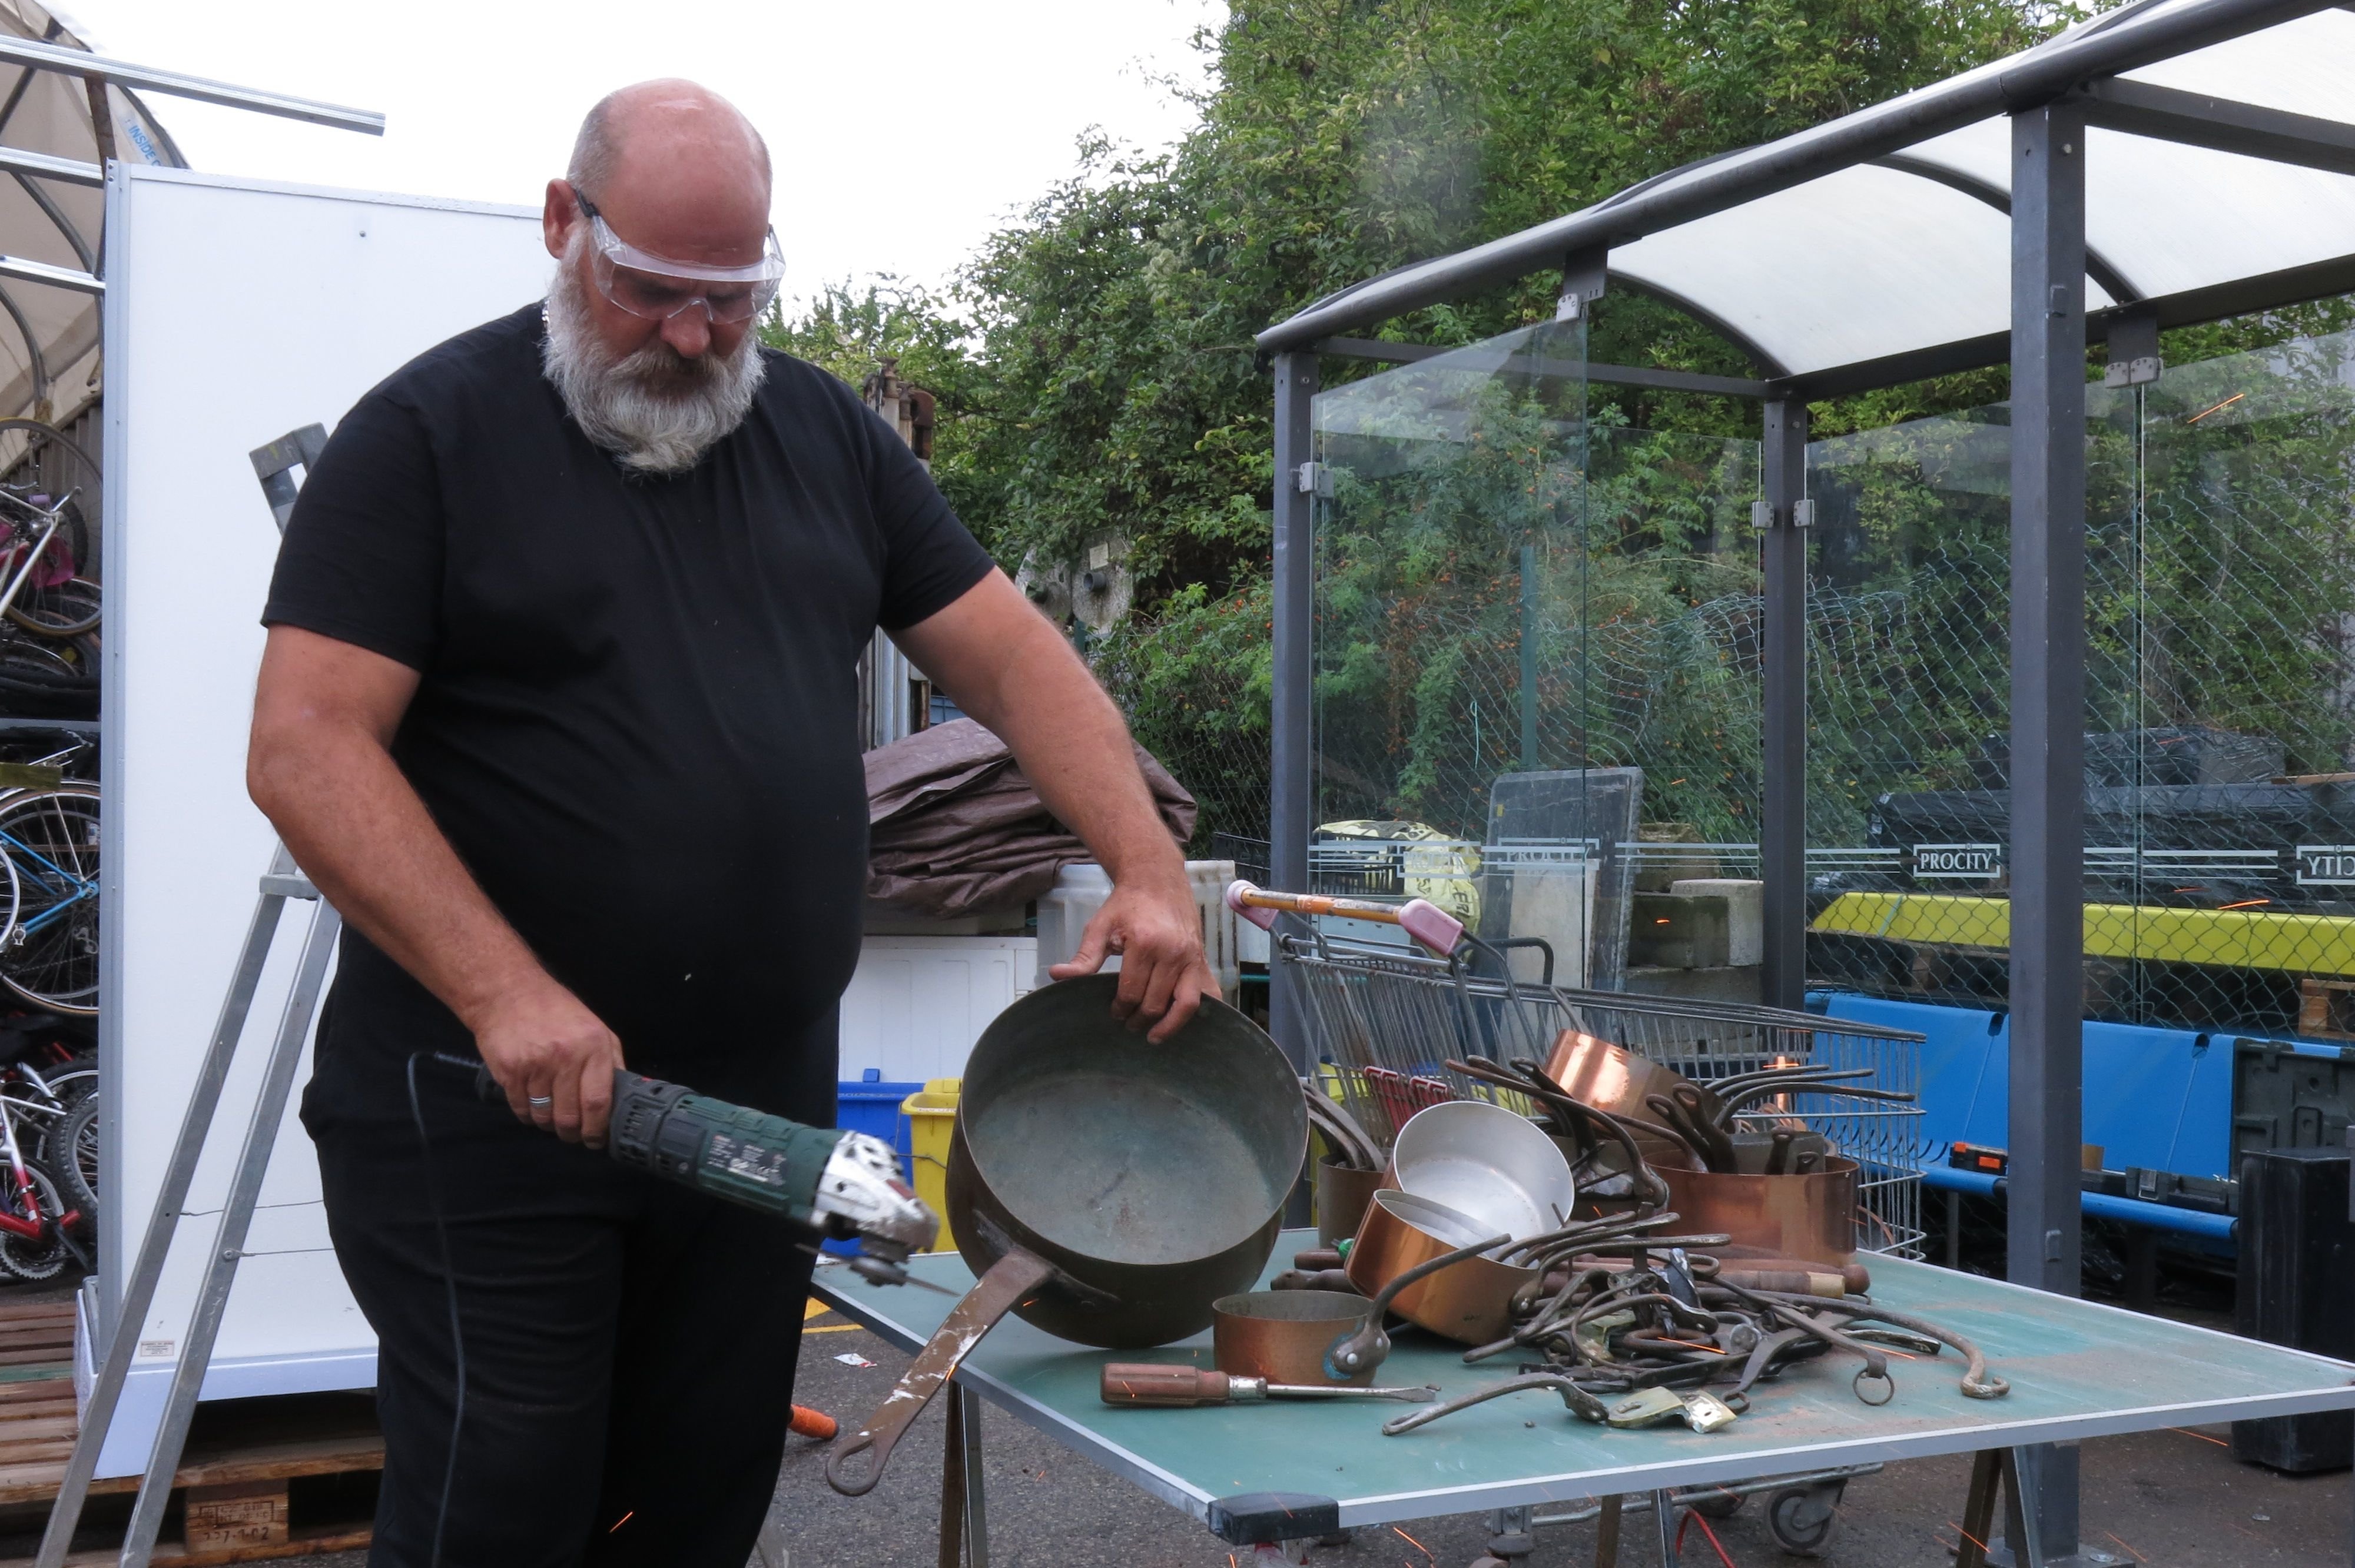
2220, 698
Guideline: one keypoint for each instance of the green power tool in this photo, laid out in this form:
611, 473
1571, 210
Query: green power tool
845, 1184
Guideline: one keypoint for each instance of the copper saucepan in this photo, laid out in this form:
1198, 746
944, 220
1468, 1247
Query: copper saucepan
1812, 1217
1282, 1335
1469, 1300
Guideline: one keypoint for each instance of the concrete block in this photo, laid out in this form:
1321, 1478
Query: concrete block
1745, 908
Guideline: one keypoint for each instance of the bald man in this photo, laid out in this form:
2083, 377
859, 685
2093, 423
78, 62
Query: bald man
557, 709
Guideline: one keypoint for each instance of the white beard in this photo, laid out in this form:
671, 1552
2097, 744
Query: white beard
657, 409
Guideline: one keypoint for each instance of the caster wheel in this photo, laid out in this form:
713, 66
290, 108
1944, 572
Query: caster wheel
1485, 1561
1718, 1505
1802, 1519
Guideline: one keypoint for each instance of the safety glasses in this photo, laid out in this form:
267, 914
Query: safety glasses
658, 288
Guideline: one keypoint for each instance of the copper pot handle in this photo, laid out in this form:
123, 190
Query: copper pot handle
1368, 1346
1010, 1281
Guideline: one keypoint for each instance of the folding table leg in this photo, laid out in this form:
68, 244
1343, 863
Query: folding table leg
976, 1512
1978, 1509
952, 1505
1606, 1533
1664, 1509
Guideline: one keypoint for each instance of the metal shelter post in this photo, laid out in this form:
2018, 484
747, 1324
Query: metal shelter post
1292, 722
1291, 735
1783, 815
2046, 765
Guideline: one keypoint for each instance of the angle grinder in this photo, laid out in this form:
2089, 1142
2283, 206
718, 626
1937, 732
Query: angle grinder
845, 1185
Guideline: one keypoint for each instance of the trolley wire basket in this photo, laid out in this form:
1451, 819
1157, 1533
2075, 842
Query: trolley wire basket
1385, 1021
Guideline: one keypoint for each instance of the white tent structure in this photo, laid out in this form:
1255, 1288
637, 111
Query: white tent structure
51, 206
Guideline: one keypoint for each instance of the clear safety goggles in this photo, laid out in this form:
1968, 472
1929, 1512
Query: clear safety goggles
658, 288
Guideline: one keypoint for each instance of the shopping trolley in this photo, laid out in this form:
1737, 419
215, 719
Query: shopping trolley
1385, 1019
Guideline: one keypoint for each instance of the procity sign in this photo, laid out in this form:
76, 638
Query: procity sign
1981, 863
2326, 865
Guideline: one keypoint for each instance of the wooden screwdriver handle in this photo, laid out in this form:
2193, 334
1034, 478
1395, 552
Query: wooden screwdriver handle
1162, 1385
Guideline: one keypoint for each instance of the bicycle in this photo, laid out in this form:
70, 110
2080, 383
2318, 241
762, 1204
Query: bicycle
43, 544
36, 1225
49, 845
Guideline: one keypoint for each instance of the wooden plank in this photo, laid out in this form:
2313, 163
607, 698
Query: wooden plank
300, 1544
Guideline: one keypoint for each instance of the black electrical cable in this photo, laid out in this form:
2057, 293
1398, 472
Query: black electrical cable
450, 1283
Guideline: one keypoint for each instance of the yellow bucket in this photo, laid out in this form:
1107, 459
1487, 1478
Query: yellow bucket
931, 1118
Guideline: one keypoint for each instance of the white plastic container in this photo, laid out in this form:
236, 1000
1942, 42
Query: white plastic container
1079, 891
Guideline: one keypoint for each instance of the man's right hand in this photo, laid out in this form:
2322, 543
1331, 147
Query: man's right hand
542, 1044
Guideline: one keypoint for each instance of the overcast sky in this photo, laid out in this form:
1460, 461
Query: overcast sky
904, 132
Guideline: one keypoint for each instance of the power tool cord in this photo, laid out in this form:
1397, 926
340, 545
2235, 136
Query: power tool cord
450, 1283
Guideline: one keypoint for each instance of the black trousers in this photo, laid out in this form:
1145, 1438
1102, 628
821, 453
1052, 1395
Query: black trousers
629, 1344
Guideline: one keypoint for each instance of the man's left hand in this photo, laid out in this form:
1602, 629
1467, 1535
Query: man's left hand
1156, 932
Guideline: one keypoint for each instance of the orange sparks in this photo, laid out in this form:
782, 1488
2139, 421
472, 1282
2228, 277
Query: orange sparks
2215, 407
1411, 1541
1718, 1545
2202, 1435
623, 1519
1967, 1535
2127, 1550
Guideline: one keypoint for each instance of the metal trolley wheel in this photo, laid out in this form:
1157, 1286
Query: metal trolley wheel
1803, 1517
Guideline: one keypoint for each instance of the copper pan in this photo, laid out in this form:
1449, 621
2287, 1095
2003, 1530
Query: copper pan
1811, 1217
1613, 1079
1281, 1335
1470, 1302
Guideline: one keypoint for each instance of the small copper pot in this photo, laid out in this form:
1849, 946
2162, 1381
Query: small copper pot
1342, 1193
1470, 1302
1282, 1335
1811, 1217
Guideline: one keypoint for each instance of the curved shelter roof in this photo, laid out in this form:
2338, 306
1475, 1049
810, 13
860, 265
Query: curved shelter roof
51, 217
1877, 248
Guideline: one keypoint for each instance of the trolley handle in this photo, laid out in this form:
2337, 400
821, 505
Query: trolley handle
1425, 921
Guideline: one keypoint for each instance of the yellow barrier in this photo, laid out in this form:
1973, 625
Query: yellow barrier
2234, 939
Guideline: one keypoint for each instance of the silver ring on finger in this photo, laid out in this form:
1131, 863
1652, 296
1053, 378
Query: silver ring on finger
540, 1102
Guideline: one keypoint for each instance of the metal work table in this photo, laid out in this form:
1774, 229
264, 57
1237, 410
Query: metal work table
2077, 1370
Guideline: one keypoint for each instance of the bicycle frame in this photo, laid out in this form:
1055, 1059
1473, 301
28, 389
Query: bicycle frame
22, 1214
51, 519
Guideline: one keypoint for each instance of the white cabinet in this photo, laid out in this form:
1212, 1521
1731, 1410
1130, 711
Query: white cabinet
916, 1003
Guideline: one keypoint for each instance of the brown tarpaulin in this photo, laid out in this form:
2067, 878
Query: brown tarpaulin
954, 827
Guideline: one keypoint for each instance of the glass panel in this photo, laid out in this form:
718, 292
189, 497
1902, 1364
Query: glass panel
1536, 633
2220, 699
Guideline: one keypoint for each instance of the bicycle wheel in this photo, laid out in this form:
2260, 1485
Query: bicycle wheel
48, 677
70, 609
32, 1260
50, 959
76, 1163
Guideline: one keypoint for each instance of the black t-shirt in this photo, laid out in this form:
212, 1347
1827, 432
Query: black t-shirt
636, 717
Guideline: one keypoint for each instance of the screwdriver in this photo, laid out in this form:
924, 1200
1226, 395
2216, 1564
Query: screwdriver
1169, 1387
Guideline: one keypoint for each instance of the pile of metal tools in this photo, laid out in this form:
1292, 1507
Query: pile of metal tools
1649, 1246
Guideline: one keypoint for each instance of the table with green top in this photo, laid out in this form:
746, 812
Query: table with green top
1288, 1471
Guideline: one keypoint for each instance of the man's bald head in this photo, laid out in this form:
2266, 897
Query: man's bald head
669, 152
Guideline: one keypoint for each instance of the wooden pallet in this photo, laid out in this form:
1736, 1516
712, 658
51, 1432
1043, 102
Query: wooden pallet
234, 1479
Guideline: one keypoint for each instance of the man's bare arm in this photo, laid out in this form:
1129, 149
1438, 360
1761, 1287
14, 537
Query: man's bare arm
1010, 669
319, 765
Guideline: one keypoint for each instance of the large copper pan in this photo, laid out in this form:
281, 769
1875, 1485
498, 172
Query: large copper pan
1106, 1188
